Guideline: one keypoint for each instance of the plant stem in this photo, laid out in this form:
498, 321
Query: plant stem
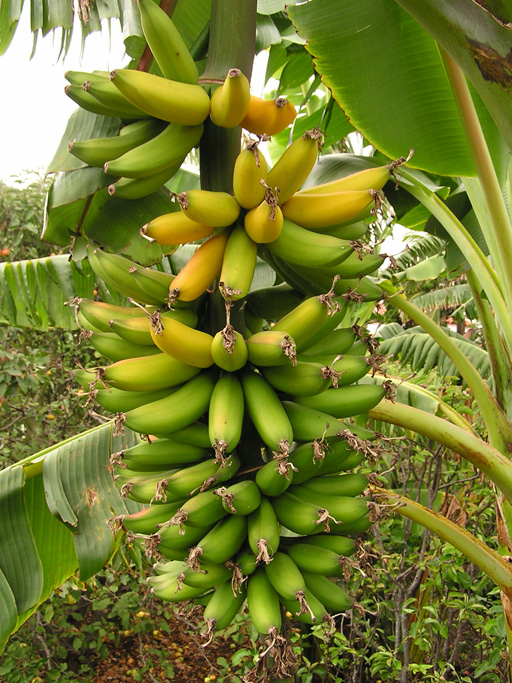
489, 561
498, 426
479, 453
500, 227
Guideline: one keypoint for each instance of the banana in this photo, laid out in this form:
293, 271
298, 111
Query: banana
166, 44
86, 101
266, 412
295, 164
241, 498
316, 613
182, 537
148, 373
263, 603
202, 475
138, 330
147, 521
195, 434
319, 457
370, 178
285, 576
334, 485
163, 452
219, 544
79, 77
344, 231
309, 424
246, 561
175, 228
340, 545
328, 592
201, 270
306, 248
185, 104
321, 210
263, 531
223, 606
315, 559
114, 348
264, 223
226, 412
272, 303
345, 401
219, 209
355, 266
336, 343
173, 590
154, 283
109, 96
200, 510
270, 348
305, 379
239, 264
249, 176
177, 410
100, 314
114, 270
229, 350
343, 510
210, 576
162, 152
303, 321
147, 487
183, 343
271, 480
136, 188
120, 401
97, 151
230, 101
268, 117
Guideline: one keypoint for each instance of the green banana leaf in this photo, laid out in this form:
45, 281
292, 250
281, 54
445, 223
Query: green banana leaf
54, 509
385, 71
33, 293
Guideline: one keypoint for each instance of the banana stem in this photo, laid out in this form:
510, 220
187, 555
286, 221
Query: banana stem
499, 225
487, 459
498, 426
488, 560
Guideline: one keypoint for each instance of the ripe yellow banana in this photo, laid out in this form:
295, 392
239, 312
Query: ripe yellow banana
370, 178
166, 44
186, 344
230, 101
249, 172
321, 210
264, 223
201, 270
268, 117
173, 101
295, 164
219, 209
175, 228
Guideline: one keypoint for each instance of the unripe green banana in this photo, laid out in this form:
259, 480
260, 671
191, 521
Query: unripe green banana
328, 592
230, 101
346, 231
315, 559
334, 485
145, 487
272, 303
223, 606
226, 412
138, 330
249, 172
336, 343
114, 348
303, 321
318, 458
341, 545
304, 379
316, 614
239, 264
79, 77
158, 154
195, 434
263, 603
173, 590
166, 44
263, 531
309, 424
345, 401
210, 576
200, 510
136, 188
154, 283
97, 151
120, 401
266, 412
109, 96
164, 452
86, 101
272, 480
99, 313
241, 498
285, 576
305, 248
232, 358
179, 538
271, 347
221, 543
147, 521
188, 403
246, 561
201, 476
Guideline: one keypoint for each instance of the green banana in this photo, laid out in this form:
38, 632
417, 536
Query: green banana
114, 348
318, 458
316, 613
346, 370
164, 452
345, 401
241, 498
334, 485
346, 231
166, 44
356, 266
146, 487
303, 321
223, 606
220, 543
305, 248
97, 151
201, 476
239, 264
341, 545
263, 603
263, 531
120, 401
316, 559
188, 403
99, 313
272, 480
147, 521
335, 343
79, 77
210, 576
246, 561
202, 509
162, 152
154, 282
195, 434
328, 592
136, 188
305, 379
178, 538
229, 350
173, 590
86, 101
272, 303
309, 424
285, 576
109, 96
271, 347
266, 412
137, 330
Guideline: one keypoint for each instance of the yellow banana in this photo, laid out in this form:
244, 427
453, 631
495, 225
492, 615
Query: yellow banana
138, 330
183, 103
239, 264
370, 178
249, 172
321, 210
295, 164
200, 271
175, 228
268, 117
219, 209
166, 44
264, 223
230, 101
186, 344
